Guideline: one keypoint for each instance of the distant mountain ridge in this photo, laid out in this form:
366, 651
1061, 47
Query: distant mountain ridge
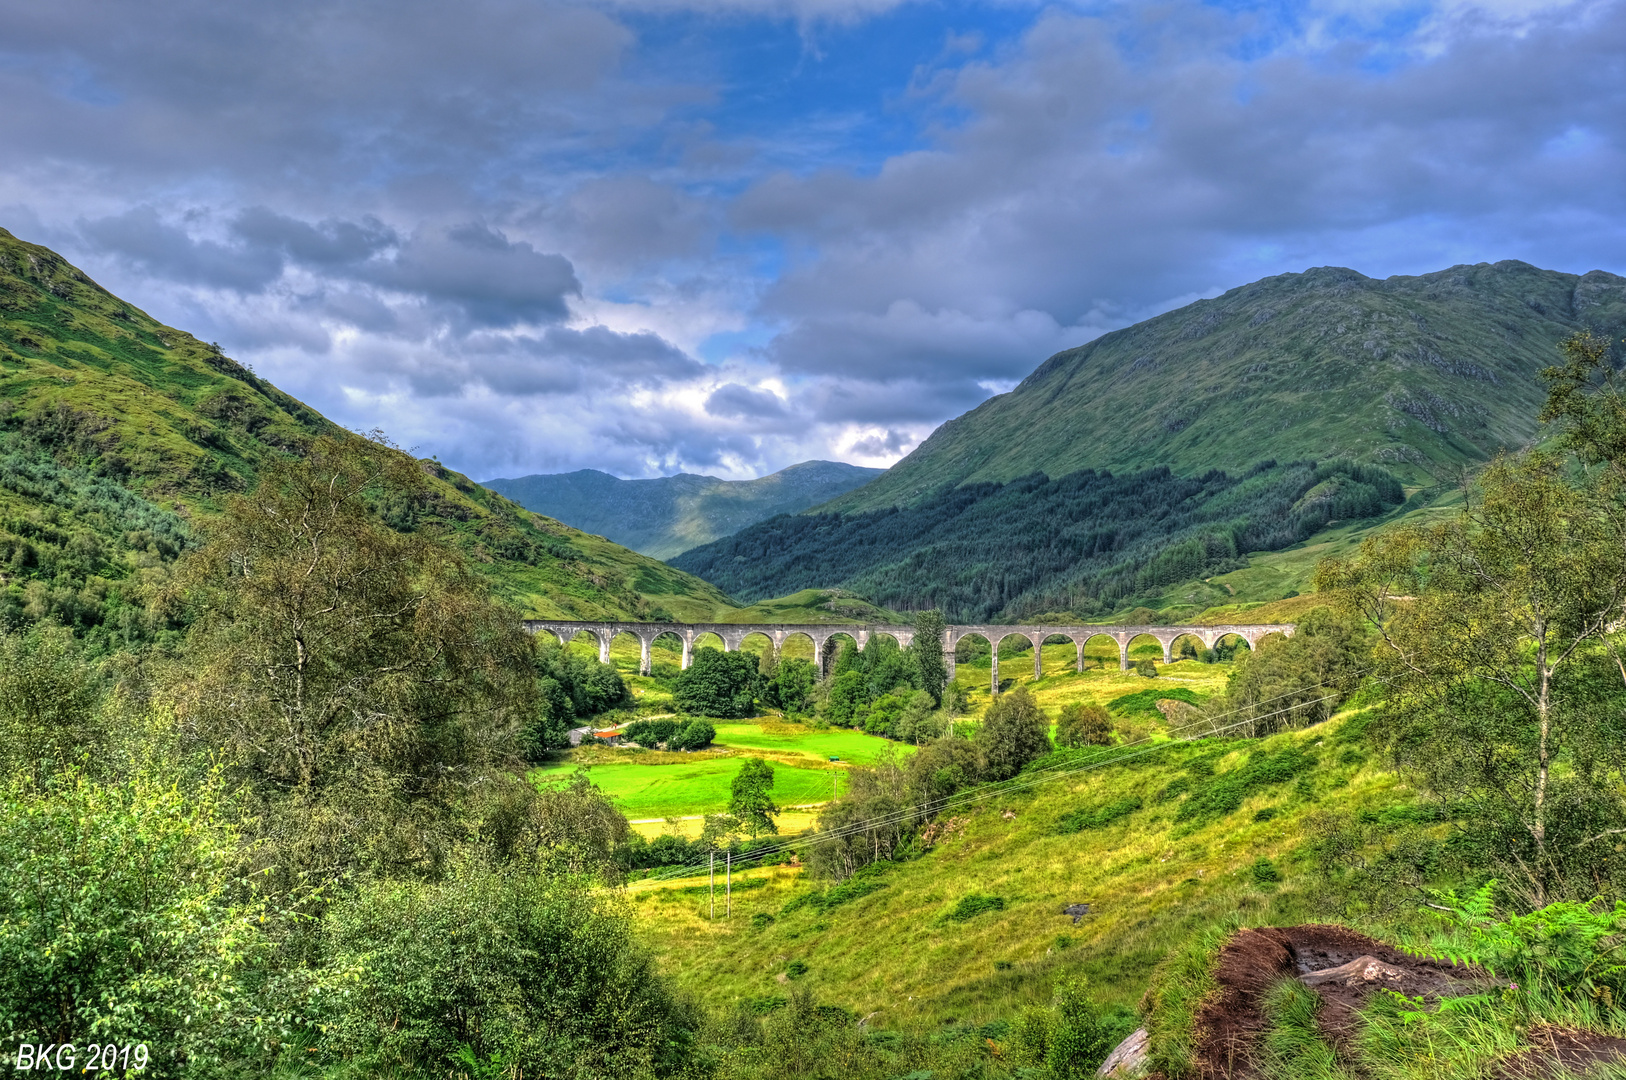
1166, 452
1418, 374
669, 515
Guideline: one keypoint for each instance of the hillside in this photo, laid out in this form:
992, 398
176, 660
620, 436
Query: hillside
668, 515
1419, 374
116, 432
1086, 544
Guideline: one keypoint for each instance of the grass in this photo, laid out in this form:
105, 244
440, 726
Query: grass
897, 951
646, 784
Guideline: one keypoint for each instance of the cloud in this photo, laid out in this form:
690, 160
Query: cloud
531, 235
742, 402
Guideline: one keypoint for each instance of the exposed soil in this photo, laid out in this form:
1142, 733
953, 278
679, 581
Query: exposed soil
1556, 1050
1230, 1024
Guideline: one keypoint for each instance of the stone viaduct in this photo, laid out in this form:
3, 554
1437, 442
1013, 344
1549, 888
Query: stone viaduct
820, 634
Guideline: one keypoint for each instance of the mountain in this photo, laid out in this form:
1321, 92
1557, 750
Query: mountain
1169, 451
669, 515
117, 432
1419, 374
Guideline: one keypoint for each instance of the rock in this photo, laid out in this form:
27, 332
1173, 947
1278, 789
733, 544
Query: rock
1077, 911
1359, 970
1009, 815
1129, 1059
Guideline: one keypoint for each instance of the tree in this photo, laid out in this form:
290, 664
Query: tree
358, 681
1292, 681
1084, 725
720, 684
751, 797
1497, 633
917, 722
792, 685
846, 701
695, 735
1014, 731
928, 653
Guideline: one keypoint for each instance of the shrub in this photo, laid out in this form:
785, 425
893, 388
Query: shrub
1080, 1038
1264, 872
971, 905
796, 969
650, 733
695, 735
123, 915
539, 970
1096, 817
1084, 725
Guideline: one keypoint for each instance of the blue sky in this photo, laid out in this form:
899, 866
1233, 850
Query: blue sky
724, 236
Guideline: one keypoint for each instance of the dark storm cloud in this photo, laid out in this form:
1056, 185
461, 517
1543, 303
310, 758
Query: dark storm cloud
300, 94
742, 402
140, 237
494, 281
328, 243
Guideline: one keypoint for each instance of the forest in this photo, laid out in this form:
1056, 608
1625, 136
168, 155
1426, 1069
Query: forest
1084, 543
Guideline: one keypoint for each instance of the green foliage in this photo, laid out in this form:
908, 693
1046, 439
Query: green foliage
1014, 732
1087, 540
1080, 1036
971, 905
1501, 690
1293, 681
1083, 725
1142, 704
697, 734
1097, 817
720, 684
592, 687
49, 702
791, 687
750, 797
1180, 985
796, 969
1566, 948
541, 970
359, 682
927, 653
1224, 794
125, 917
650, 733
1264, 872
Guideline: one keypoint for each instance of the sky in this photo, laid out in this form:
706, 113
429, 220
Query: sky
725, 236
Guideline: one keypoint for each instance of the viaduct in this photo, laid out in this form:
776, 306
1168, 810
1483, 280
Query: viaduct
820, 634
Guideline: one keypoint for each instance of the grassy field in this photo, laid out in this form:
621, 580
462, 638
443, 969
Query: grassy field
1151, 880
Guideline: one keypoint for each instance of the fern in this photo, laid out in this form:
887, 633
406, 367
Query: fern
1568, 948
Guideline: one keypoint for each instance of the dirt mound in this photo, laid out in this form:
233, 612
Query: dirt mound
1230, 1023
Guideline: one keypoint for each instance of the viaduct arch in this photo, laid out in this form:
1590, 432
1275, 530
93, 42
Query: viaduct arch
733, 635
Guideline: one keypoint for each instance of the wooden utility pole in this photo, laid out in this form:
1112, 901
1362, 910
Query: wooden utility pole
728, 884
711, 870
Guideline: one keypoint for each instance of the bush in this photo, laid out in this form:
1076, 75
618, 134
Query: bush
973, 904
537, 971
1014, 732
792, 685
695, 735
720, 684
1264, 872
650, 733
1084, 725
123, 916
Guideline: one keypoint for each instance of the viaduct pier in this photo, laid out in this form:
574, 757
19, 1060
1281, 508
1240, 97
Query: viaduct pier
733, 635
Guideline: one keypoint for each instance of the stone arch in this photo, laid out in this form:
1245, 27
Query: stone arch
760, 642
1268, 635
1230, 639
1175, 642
1083, 639
676, 637
997, 638
601, 642
799, 644
1046, 637
951, 652
1135, 638
830, 647
611, 633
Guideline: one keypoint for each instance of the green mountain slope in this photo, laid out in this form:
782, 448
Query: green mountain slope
669, 515
1419, 374
117, 431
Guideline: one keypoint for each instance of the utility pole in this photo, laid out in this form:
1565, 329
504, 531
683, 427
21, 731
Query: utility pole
728, 885
712, 871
